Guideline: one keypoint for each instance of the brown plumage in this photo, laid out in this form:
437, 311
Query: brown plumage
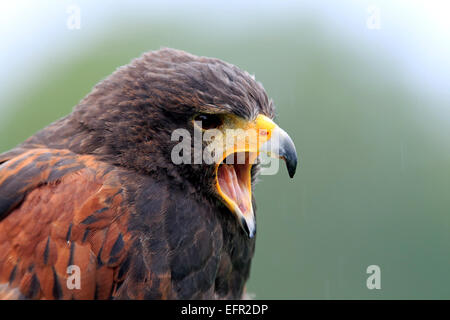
98, 189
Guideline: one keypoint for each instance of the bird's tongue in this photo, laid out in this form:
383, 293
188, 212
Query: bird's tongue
234, 182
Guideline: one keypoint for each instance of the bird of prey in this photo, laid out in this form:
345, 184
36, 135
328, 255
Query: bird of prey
97, 194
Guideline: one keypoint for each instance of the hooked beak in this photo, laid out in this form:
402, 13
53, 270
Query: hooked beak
233, 172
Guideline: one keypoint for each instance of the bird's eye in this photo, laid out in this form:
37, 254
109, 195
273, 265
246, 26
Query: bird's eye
209, 121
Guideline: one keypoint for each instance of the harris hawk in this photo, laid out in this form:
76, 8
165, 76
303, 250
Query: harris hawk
99, 190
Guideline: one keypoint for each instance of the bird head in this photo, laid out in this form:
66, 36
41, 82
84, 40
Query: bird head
133, 116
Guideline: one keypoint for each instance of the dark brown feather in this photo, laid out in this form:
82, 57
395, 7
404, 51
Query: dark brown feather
98, 189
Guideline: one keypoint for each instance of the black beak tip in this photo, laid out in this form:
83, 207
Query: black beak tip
289, 155
292, 172
291, 164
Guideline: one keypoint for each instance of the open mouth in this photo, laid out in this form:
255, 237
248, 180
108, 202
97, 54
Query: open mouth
233, 173
234, 183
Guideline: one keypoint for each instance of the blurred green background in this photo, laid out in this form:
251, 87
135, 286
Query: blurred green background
367, 108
